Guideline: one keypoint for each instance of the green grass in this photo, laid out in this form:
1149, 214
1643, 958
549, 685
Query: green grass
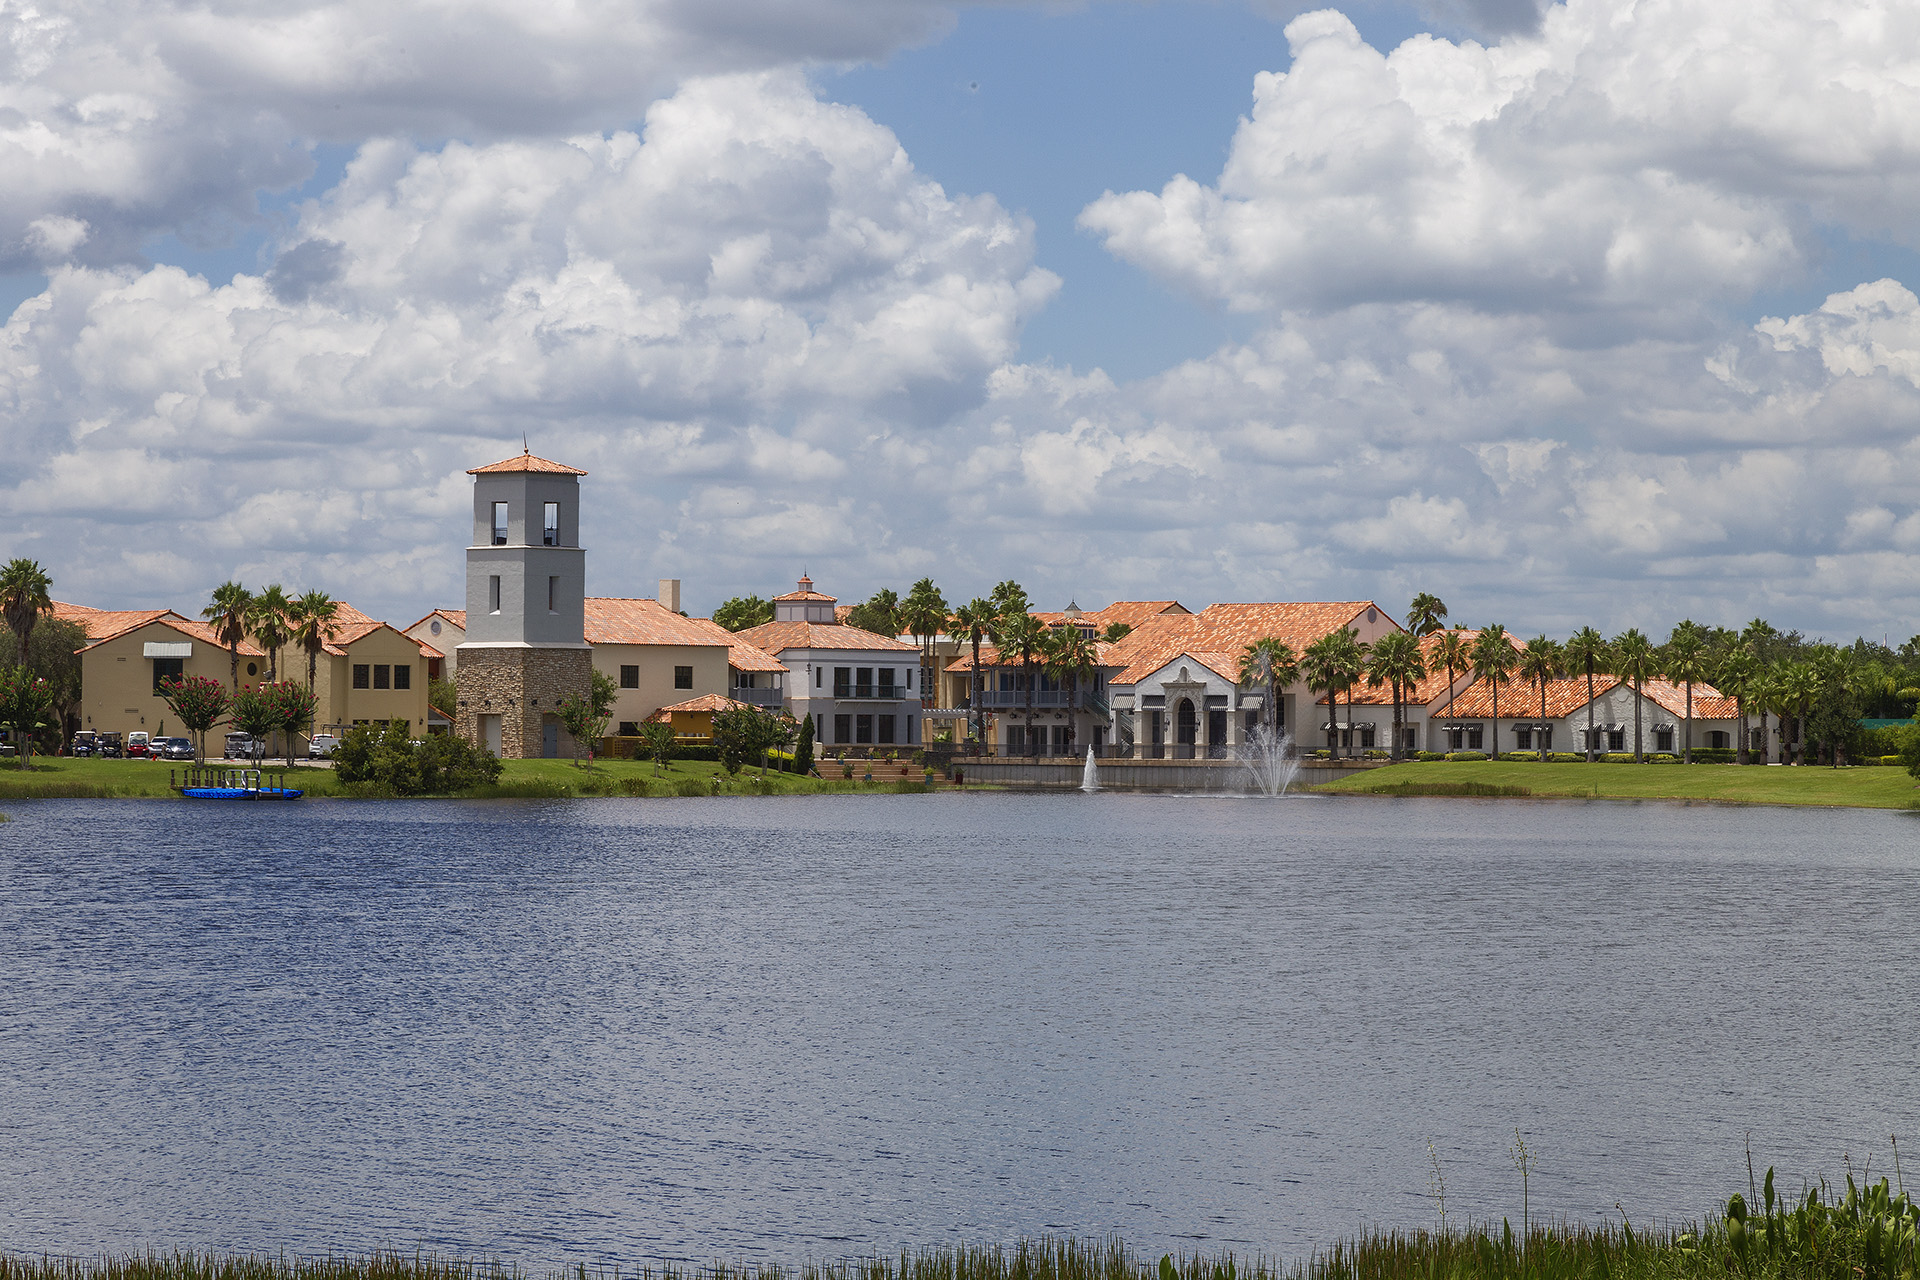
1871, 788
1868, 1233
58, 778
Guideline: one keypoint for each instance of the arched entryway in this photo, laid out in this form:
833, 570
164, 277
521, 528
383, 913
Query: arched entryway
1186, 728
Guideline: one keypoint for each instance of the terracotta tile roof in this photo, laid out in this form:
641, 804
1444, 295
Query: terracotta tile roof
1134, 612
705, 702
1429, 689
458, 617
1708, 702
776, 637
1230, 628
201, 631
840, 612
99, 624
741, 657
1521, 700
526, 462
990, 657
615, 621
809, 595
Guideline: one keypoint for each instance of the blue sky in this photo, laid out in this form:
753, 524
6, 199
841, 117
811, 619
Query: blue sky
1538, 319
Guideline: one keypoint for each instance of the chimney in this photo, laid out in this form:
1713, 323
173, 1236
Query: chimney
670, 594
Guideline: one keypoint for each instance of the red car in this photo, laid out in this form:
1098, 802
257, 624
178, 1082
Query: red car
138, 746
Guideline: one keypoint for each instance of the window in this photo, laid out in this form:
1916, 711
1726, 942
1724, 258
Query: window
1716, 739
863, 682
683, 677
630, 677
1616, 739
863, 728
403, 675
553, 590
1523, 736
843, 683
843, 728
1663, 739
499, 527
819, 673
382, 675
886, 728
550, 525
362, 674
167, 669
629, 728
910, 680
887, 688
493, 593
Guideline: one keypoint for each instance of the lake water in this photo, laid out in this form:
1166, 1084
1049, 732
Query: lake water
611, 1031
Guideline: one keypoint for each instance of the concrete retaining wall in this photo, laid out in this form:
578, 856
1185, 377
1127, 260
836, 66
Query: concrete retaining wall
1145, 775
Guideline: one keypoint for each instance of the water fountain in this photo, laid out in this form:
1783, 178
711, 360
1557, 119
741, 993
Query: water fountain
1269, 761
1090, 776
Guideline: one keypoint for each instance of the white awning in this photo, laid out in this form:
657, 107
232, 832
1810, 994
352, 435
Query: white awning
164, 649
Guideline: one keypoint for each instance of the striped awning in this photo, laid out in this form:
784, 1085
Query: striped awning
167, 649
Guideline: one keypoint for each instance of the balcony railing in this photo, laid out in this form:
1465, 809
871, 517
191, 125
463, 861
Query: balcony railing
773, 698
871, 692
1043, 699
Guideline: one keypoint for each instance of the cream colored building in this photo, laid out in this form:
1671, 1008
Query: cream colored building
441, 630
658, 658
369, 673
132, 652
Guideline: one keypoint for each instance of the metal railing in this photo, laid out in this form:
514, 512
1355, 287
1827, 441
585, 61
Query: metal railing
871, 692
1043, 699
774, 698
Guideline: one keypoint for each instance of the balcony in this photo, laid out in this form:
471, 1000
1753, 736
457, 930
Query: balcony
771, 699
870, 692
1043, 700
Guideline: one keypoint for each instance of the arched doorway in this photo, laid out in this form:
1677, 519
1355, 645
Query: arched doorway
1186, 730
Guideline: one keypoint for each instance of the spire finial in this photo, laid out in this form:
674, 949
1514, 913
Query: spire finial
525, 448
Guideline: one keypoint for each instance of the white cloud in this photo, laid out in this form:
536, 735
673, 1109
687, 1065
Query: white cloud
1627, 159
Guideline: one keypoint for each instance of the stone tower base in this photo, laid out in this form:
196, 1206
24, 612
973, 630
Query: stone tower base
524, 688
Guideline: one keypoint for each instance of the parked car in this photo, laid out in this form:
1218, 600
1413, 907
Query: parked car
84, 742
107, 746
139, 745
322, 746
242, 746
173, 748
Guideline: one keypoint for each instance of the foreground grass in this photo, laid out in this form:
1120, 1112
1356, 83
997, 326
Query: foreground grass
1864, 1234
59, 778
1866, 787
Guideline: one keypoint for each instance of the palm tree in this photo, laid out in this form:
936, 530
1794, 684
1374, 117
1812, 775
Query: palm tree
974, 621
1426, 615
1833, 670
1322, 664
1738, 677
1687, 662
1635, 662
1797, 689
24, 599
1587, 649
1269, 661
1541, 661
1452, 652
267, 618
312, 618
1022, 634
1353, 664
1494, 659
924, 612
229, 610
1069, 655
1397, 662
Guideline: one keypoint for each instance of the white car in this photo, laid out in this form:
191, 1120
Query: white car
322, 746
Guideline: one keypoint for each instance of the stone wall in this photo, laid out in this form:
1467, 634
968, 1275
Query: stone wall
524, 688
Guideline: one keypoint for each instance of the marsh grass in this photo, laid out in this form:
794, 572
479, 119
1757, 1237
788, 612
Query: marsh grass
52, 789
1447, 789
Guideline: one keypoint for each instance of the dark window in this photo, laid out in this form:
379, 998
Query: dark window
1473, 738
887, 689
499, 526
1616, 739
843, 683
1663, 739
253, 669
630, 677
819, 673
493, 593
683, 677
361, 675
863, 682
403, 675
550, 525
553, 589
167, 669
381, 675
863, 728
843, 728
629, 728
1524, 738
886, 728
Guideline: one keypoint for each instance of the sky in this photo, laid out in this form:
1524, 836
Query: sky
1600, 313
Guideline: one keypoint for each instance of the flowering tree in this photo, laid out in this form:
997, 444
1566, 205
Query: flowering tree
290, 708
586, 714
200, 702
25, 699
254, 715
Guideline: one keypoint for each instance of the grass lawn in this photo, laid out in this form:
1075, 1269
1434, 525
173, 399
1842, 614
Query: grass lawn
1868, 787
54, 777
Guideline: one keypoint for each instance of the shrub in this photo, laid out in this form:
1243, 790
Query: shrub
1564, 757
393, 765
690, 787
1466, 755
1889, 759
1516, 756
635, 787
1617, 757
1661, 757
1430, 755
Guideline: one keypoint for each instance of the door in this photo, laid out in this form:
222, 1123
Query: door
1186, 730
490, 733
549, 739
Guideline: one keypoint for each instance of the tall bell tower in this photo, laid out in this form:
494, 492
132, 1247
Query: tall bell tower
525, 647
